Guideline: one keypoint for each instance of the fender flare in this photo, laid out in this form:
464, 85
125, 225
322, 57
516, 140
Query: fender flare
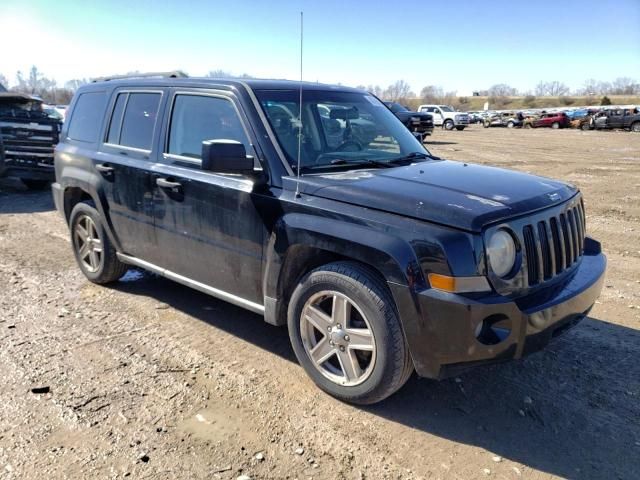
89, 182
390, 256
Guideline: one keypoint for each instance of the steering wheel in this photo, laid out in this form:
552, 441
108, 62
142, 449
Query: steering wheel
349, 143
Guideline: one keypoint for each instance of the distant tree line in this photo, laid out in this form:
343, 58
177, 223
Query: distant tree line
35, 82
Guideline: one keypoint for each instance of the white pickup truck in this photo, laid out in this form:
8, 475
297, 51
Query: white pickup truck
446, 116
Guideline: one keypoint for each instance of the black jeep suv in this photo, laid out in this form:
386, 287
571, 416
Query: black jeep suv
329, 217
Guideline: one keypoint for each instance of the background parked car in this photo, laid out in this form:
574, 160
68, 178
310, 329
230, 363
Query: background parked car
446, 116
626, 118
552, 120
504, 119
417, 122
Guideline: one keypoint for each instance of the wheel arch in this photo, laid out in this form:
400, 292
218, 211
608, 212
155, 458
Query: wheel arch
300, 243
80, 185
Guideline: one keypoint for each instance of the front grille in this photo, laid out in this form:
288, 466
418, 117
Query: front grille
553, 245
28, 143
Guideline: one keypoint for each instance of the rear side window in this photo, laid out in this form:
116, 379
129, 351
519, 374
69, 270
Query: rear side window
196, 118
87, 116
134, 119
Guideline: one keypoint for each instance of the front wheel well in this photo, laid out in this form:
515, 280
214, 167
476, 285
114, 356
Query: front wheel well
73, 196
302, 259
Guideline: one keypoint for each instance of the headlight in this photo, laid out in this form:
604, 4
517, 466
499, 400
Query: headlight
501, 251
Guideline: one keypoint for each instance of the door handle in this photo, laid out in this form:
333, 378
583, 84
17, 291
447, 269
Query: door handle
104, 168
164, 183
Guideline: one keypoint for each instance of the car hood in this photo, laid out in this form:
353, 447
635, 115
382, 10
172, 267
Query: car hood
460, 195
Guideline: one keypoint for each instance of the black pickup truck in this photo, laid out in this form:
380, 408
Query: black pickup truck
27, 139
379, 257
417, 122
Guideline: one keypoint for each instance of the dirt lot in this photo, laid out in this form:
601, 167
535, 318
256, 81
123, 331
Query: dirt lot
148, 379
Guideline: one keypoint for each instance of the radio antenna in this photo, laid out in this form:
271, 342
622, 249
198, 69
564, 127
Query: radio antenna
300, 112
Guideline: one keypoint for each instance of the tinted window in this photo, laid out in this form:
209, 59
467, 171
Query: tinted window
116, 119
139, 120
86, 119
197, 118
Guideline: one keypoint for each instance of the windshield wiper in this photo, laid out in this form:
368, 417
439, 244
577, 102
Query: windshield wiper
413, 156
361, 161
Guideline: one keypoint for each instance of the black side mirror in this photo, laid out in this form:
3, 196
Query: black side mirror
226, 156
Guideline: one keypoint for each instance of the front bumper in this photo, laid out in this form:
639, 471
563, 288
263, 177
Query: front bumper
445, 336
26, 168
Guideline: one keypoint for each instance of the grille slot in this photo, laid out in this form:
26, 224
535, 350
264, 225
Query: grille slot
551, 246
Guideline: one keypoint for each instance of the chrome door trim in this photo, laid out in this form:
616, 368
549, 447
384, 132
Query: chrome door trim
214, 292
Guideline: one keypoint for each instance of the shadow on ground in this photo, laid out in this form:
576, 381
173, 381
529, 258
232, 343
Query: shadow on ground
23, 200
572, 410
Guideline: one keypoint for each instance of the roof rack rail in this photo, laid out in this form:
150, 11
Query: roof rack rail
172, 74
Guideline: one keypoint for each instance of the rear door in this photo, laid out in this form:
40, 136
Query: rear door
616, 119
208, 225
124, 163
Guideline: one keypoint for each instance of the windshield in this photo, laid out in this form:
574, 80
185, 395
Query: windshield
446, 108
338, 128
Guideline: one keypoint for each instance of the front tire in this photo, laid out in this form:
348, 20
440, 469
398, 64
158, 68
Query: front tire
510, 124
460, 128
92, 248
448, 125
555, 125
346, 333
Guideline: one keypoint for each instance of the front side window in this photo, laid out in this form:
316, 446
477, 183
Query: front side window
338, 128
87, 115
196, 118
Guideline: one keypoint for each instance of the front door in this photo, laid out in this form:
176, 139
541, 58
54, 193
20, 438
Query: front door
208, 225
123, 162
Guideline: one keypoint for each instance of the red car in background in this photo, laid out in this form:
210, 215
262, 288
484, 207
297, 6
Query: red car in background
553, 120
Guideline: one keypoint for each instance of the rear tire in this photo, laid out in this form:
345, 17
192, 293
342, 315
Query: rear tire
460, 128
585, 127
344, 369
32, 184
635, 127
92, 248
510, 124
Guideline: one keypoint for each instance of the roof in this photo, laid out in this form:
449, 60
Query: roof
253, 83
20, 97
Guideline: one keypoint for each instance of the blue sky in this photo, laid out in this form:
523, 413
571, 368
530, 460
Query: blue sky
462, 45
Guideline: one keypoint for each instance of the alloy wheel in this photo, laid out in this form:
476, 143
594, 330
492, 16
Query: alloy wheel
338, 338
87, 243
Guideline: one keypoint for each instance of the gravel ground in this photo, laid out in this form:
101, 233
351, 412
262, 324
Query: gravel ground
148, 379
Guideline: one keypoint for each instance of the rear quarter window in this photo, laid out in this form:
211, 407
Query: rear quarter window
86, 118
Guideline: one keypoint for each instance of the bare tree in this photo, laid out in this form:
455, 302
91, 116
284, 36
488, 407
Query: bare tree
502, 90
32, 82
219, 73
399, 90
431, 93
591, 86
625, 86
375, 90
75, 84
553, 88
